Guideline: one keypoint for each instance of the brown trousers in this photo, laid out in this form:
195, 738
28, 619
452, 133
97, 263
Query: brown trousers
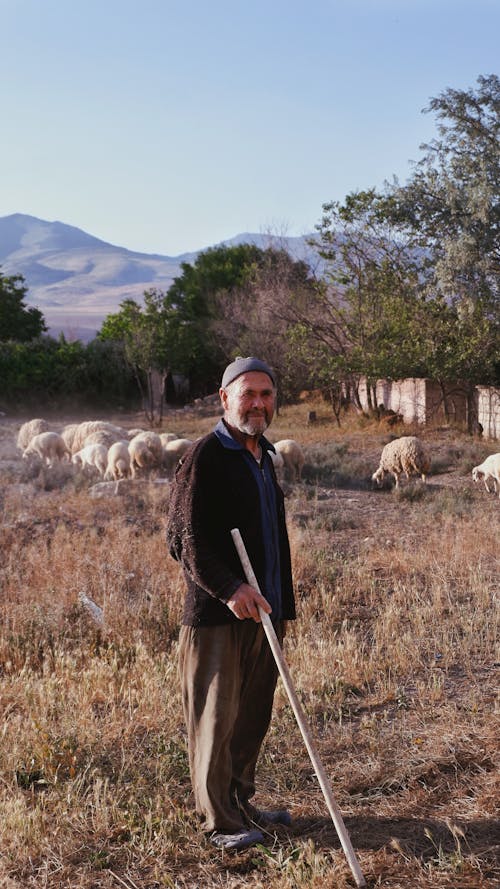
228, 677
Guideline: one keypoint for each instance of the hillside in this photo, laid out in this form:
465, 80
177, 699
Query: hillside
76, 279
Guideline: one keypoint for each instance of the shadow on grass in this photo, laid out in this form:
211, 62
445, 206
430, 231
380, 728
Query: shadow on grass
422, 838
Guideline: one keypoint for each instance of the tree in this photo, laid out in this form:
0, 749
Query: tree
201, 293
413, 272
361, 323
451, 209
172, 332
17, 322
149, 345
451, 204
256, 318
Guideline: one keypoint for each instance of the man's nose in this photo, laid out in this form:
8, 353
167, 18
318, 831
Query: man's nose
257, 401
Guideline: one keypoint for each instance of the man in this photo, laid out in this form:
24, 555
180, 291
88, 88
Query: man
228, 673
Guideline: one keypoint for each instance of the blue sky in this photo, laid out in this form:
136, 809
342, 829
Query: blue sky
167, 126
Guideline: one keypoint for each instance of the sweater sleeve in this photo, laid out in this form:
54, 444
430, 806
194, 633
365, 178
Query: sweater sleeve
194, 527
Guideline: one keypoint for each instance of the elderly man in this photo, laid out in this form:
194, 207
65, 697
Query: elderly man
228, 673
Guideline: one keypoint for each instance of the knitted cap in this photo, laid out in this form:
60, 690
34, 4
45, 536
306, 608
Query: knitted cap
245, 365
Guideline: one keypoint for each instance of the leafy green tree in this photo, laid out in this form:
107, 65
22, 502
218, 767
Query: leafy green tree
413, 272
142, 333
173, 332
361, 323
117, 326
450, 208
201, 293
257, 318
109, 377
451, 204
17, 322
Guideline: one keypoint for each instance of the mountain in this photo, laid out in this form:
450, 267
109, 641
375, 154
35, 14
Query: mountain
76, 279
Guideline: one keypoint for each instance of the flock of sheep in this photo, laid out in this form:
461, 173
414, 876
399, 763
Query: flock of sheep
116, 453
110, 451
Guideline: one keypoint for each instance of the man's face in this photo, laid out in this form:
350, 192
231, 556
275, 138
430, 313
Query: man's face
248, 403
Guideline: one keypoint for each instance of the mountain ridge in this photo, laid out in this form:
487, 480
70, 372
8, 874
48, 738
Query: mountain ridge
76, 279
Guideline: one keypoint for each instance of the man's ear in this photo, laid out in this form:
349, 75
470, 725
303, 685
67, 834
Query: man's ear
223, 397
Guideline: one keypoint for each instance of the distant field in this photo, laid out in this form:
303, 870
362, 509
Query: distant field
394, 656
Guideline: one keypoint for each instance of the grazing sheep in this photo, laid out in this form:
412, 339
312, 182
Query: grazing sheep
293, 457
68, 435
118, 461
89, 427
173, 451
92, 456
406, 454
105, 437
141, 457
29, 430
153, 441
131, 433
278, 461
165, 437
49, 447
489, 468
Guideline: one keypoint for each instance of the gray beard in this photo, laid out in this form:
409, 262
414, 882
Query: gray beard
253, 428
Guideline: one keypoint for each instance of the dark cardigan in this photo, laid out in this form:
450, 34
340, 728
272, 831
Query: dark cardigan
214, 491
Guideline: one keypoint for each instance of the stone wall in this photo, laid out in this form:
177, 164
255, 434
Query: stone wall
418, 400
421, 401
488, 411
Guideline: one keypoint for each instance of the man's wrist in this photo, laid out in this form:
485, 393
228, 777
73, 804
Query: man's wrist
231, 591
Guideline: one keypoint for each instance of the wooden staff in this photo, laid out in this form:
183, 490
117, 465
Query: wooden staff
299, 715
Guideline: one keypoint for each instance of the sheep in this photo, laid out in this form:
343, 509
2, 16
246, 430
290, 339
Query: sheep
68, 435
153, 441
406, 454
173, 451
29, 430
489, 468
293, 457
141, 457
89, 427
278, 461
93, 456
118, 461
49, 447
105, 437
165, 437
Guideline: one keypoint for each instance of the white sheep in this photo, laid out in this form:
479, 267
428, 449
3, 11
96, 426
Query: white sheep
141, 457
165, 437
403, 455
29, 430
489, 468
92, 456
87, 428
68, 435
173, 451
278, 461
153, 441
105, 437
118, 465
49, 447
293, 457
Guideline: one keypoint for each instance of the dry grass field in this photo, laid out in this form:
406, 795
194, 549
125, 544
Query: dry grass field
394, 657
